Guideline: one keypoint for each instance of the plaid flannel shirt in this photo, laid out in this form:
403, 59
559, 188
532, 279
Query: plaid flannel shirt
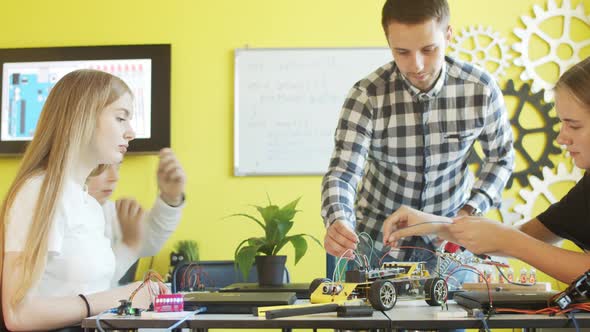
396, 145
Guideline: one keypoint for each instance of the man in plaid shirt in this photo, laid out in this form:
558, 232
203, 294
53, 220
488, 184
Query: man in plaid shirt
405, 132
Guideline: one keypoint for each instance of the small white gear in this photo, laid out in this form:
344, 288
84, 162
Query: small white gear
481, 53
542, 187
533, 28
508, 216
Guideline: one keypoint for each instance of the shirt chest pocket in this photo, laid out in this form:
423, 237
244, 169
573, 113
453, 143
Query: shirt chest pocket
456, 145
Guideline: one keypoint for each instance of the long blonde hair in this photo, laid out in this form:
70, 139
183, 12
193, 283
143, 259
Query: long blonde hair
577, 81
66, 125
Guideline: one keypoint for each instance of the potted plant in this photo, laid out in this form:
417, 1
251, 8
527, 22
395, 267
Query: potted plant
189, 249
276, 223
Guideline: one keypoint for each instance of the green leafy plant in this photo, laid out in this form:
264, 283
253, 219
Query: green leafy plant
189, 250
276, 223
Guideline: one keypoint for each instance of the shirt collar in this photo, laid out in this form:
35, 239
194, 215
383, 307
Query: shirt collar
433, 92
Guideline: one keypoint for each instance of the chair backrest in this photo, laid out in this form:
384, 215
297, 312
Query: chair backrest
211, 275
129, 276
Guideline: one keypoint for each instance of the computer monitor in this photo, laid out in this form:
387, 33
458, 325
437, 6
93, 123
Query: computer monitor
28, 74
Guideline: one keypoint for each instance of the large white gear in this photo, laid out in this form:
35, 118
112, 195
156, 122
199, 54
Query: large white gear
533, 27
480, 55
542, 187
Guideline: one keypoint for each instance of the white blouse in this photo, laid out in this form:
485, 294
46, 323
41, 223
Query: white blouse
80, 258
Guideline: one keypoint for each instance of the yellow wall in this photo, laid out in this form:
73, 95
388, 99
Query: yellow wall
203, 35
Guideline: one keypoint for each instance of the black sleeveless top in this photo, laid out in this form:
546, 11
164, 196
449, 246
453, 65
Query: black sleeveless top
570, 217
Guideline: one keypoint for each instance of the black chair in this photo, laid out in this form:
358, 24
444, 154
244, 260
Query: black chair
129, 276
211, 275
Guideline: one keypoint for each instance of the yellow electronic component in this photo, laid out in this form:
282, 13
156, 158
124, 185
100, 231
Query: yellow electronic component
334, 292
262, 310
303, 309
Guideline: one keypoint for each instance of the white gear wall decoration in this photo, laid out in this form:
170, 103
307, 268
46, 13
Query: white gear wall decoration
542, 187
533, 28
508, 216
481, 53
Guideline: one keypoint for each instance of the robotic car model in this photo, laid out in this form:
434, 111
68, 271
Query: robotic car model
381, 286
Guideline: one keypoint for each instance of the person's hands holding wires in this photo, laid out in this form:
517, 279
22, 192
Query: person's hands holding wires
341, 240
480, 235
407, 221
171, 178
130, 215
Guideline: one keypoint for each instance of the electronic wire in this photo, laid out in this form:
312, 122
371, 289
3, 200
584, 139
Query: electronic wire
99, 316
192, 313
370, 242
573, 319
461, 266
481, 316
149, 275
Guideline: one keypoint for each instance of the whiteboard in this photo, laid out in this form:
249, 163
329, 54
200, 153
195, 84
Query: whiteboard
287, 103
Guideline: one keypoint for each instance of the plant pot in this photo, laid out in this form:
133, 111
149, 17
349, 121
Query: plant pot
271, 270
